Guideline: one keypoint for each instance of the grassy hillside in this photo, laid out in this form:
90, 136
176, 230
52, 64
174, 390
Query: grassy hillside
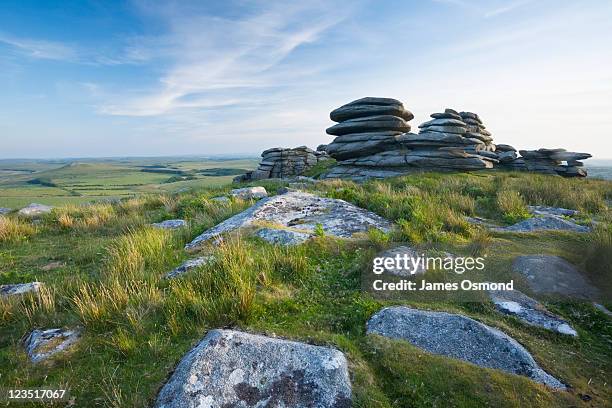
137, 325
61, 182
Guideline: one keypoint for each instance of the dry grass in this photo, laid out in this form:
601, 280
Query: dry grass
14, 229
512, 206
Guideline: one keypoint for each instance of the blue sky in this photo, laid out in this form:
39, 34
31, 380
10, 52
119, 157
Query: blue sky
106, 78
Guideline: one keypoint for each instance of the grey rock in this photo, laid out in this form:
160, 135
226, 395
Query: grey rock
301, 211
369, 124
545, 223
371, 100
548, 274
221, 199
602, 309
170, 224
569, 156
189, 265
481, 221
459, 337
283, 236
516, 303
235, 369
19, 289
364, 137
35, 210
434, 139
445, 115
505, 148
248, 193
349, 111
543, 210
42, 344
442, 122
404, 255
4, 210
446, 129
341, 151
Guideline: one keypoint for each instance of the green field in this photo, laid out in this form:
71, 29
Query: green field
56, 182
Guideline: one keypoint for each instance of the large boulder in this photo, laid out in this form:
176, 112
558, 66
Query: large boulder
549, 274
235, 369
249, 193
359, 110
302, 212
459, 337
286, 237
370, 124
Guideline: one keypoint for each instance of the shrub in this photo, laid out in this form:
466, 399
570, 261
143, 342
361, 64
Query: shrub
512, 206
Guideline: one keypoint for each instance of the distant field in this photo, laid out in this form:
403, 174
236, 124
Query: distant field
56, 182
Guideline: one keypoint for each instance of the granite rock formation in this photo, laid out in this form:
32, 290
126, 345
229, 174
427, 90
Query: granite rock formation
555, 161
279, 162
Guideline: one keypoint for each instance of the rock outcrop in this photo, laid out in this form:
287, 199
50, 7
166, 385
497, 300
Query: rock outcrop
459, 337
42, 344
383, 148
555, 161
235, 369
249, 193
286, 237
532, 312
544, 223
548, 274
280, 162
302, 212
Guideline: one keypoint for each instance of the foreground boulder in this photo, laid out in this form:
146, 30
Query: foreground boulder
42, 344
249, 193
235, 369
35, 210
303, 212
284, 237
516, 303
459, 337
548, 274
19, 289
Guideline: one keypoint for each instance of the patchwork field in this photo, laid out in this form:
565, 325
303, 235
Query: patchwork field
56, 182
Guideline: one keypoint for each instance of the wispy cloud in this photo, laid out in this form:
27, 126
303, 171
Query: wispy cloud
224, 61
507, 8
40, 49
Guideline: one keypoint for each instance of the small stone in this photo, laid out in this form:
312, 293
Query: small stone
249, 193
189, 265
19, 289
35, 210
516, 303
170, 224
221, 199
4, 210
42, 344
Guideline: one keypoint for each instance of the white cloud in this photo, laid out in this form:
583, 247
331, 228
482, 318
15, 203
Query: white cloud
40, 49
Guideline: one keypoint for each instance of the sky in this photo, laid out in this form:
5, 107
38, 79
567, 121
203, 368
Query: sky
145, 78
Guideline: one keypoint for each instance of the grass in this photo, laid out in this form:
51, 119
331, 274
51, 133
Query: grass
14, 229
137, 325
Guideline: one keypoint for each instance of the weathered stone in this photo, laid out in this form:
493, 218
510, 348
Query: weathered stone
235, 369
369, 124
189, 265
349, 111
363, 137
445, 115
35, 210
446, 129
548, 274
170, 224
543, 210
4, 210
516, 303
404, 256
249, 193
544, 223
505, 148
342, 151
42, 344
19, 289
459, 337
283, 236
371, 100
301, 211
434, 139
221, 199
442, 122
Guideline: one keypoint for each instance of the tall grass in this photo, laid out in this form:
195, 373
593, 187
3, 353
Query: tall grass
512, 206
14, 229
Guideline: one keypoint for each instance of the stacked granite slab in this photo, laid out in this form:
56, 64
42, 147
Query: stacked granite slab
555, 161
477, 130
508, 158
440, 145
280, 162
